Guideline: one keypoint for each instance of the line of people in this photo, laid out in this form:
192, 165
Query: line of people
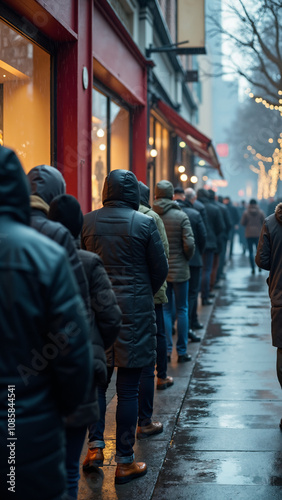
82, 295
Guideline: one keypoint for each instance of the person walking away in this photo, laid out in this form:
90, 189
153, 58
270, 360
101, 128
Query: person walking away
105, 324
241, 230
269, 257
181, 250
45, 353
132, 251
234, 216
219, 238
252, 219
146, 427
224, 240
196, 263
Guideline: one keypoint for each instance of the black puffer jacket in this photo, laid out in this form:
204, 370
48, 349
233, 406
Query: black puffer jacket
179, 232
215, 223
105, 314
44, 345
130, 246
269, 257
199, 231
47, 182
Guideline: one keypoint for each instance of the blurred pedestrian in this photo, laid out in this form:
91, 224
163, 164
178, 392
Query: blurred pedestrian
220, 238
269, 257
241, 230
105, 321
196, 262
224, 240
181, 250
234, 216
214, 228
133, 254
45, 354
252, 219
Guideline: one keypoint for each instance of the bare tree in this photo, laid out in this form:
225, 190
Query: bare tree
253, 33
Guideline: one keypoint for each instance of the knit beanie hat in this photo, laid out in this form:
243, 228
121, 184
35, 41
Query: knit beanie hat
164, 189
66, 210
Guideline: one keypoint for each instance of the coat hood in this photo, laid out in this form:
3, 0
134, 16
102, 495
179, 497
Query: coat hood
164, 189
144, 194
121, 186
66, 209
46, 182
163, 205
14, 188
278, 213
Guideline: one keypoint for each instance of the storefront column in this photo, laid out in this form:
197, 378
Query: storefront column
74, 109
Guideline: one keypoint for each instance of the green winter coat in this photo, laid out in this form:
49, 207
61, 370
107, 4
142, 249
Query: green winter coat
179, 232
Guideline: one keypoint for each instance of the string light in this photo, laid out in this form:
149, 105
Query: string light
266, 103
268, 180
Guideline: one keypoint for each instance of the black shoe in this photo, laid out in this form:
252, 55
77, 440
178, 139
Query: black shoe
280, 424
207, 302
211, 295
168, 358
197, 326
253, 271
193, 337
184, 358
259, 269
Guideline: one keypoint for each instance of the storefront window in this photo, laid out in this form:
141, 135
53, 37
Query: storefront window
110, 141
25, 108
119, 137
159, 165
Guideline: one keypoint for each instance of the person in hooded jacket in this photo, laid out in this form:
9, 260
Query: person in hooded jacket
105, 325
252, 219
46, 182
269, 257
146, 427
181, 250
45, 356
133, 254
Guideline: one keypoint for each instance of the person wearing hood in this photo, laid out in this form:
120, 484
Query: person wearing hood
133, 254
181, 250
269, 257
252, 219
146, 427
46, 182
105, 320
45, 357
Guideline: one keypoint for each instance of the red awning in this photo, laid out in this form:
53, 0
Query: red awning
197, 142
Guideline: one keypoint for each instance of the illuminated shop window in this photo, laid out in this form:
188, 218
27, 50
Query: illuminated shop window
25, 113
110, 141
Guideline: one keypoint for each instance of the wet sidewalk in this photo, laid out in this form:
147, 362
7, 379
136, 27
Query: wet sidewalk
221, 436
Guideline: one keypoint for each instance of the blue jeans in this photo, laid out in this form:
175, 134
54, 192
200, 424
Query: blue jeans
206, 273
161, 342
252, 244
74, 443
181, 306
127, 385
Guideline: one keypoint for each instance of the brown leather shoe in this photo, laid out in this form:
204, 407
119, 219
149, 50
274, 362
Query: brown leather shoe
93, 459
149, 430
127, 472
164, 383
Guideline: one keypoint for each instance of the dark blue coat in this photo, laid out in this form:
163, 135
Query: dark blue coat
44, 344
